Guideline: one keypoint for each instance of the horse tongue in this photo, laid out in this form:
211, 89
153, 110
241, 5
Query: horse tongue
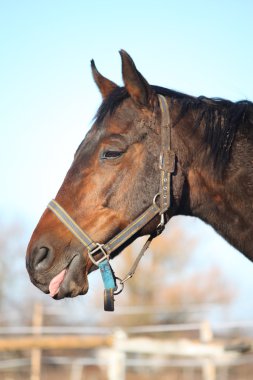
55, 283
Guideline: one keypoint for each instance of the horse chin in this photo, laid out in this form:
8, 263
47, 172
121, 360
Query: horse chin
74, 281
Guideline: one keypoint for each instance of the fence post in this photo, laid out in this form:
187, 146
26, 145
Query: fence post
208, 370
206, 333
76, 371
206, 336
36, 352
116, 365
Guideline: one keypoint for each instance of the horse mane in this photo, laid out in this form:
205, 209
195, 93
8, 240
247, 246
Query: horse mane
219, 117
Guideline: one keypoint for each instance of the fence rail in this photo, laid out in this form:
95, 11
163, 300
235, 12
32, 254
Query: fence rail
145, 329
53, 342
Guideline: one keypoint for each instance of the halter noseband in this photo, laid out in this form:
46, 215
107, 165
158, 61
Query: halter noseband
167, 167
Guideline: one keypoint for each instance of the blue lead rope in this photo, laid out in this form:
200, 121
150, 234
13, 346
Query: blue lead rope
107, 275
109, 284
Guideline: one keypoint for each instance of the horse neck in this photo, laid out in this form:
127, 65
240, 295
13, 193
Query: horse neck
214, 198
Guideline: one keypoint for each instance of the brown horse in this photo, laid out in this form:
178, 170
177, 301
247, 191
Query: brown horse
115, 176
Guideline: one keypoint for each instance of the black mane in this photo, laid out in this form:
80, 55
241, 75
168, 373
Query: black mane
219, 117
110, 104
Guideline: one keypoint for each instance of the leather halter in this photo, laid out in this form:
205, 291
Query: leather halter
167, 167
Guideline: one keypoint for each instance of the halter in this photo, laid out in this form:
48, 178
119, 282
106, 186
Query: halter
104, 251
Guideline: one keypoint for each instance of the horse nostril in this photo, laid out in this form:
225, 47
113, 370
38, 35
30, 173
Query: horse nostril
43, 258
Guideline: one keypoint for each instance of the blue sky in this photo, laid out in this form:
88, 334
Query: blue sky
48, 97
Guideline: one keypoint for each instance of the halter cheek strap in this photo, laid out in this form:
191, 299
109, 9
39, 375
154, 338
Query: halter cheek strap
166, 166
167, 157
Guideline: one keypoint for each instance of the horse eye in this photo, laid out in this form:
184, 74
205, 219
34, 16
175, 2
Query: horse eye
111, 154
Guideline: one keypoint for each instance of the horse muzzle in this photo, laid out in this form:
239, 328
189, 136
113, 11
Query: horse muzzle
67, 278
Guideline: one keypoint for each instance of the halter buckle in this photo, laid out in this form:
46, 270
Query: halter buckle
99, 249
161, 161
167, 161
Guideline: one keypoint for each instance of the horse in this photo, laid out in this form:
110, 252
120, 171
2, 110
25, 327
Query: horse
152, 153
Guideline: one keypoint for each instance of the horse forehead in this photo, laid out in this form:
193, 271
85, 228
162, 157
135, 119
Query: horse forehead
124, 117
127, 111
123, 120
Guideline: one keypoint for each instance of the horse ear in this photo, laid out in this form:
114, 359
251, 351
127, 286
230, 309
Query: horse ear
136, 85
105, 85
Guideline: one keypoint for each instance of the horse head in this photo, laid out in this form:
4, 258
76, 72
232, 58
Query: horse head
113, 179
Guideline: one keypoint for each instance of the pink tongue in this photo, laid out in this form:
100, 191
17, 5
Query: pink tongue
55, 283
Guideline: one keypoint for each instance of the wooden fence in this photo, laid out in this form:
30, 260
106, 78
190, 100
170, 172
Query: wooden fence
118, 350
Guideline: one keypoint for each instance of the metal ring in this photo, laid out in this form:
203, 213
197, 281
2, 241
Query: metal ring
121, 284
154, 199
